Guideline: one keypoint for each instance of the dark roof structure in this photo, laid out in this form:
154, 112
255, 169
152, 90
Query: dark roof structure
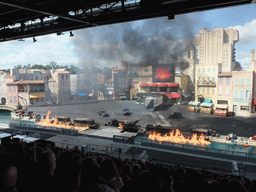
30, 18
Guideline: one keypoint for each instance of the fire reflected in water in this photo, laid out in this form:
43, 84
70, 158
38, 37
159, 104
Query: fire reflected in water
56, 123
178, 137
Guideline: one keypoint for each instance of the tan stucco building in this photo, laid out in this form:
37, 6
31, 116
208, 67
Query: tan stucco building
215, 54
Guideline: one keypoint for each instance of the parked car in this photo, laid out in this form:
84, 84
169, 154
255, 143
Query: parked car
103, 114
126, 111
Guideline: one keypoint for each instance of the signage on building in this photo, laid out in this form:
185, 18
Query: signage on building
163, 73
82, 94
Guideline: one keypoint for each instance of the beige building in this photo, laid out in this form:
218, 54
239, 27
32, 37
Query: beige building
216, 54
60, 86
242, 92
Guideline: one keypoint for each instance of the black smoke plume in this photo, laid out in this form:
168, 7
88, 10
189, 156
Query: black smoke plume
144, 42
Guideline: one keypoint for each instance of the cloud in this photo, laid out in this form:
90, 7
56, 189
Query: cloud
247, 33
47, 48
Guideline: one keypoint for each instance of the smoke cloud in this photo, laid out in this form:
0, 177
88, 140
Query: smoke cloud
144, 42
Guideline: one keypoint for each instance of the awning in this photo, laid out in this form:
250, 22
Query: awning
35, 96
162, 85
172, 85
194, 103
208, 101
152, 85
254, 101
173, 95
143, 85
221, 106
206, 105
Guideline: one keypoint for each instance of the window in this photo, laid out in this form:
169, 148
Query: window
222, 102
220, 91
162, 89
66, 77
14, 98
14, 88
235, 93
244, 108
221, 80
247, 94
153, 89
241, 94
227, 80
212, 91
62, 76
208, 90
236, 81
227, 91
9, 88
241, 81
248, 81
10, 98
203, 90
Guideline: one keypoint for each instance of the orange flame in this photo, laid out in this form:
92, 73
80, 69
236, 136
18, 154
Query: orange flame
178, 137
121, 125
56, 123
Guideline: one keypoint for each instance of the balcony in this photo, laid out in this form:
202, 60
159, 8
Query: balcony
205, 83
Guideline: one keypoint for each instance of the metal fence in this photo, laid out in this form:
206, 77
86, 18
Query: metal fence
100, 149
195, 147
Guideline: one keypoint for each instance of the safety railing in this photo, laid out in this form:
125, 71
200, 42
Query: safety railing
199, 148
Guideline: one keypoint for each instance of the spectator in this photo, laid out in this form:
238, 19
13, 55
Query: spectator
111, 175
43, 179
90, 177
8, 173
147, 181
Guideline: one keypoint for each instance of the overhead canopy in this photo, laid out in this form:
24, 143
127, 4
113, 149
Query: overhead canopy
152, 85
173, 95
206, 105
35, 96
221, 106
143, 85
208, 101
195, 103
162, 85
172, 85
254, 101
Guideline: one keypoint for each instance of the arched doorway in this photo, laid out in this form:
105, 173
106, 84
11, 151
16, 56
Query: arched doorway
3, 101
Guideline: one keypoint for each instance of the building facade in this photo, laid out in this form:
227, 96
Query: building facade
26, 92
62, 88
243, 84
225, 91
121, 83
216, 54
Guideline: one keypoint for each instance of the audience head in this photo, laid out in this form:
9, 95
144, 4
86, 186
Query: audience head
107, 169
8, 173
47, 163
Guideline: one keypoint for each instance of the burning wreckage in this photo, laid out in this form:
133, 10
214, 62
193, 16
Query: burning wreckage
80, 124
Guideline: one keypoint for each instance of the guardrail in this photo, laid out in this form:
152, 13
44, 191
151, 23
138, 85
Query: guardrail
100, 149
199, 148
23, 126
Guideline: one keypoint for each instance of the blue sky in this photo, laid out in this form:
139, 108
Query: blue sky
62, 49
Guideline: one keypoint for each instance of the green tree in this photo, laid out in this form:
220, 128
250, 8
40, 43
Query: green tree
18, 67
